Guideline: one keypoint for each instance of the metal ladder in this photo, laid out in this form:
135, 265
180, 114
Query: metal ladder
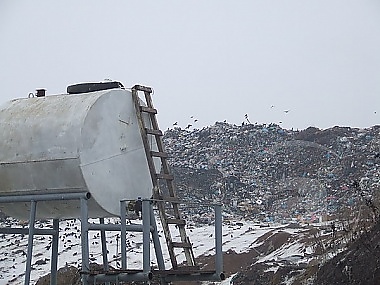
167, 203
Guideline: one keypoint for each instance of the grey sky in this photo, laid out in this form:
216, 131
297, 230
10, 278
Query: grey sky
214, 60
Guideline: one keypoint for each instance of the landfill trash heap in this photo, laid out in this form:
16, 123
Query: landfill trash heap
269, 173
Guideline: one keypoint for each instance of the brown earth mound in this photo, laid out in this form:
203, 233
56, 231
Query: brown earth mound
359, 264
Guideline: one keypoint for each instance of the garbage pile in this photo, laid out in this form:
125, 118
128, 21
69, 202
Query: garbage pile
268, 173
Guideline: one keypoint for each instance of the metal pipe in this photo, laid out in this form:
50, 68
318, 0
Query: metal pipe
123, 235
40, 92
112, 227
45, 197
104, 245
137, 228
103, 227
104, 248
84, 240
54, 253
146, 234
156, 241
101, 278
32, 219
25, 231
196, 277
218, 239
157, 246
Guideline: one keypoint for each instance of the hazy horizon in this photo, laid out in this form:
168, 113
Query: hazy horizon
294, 63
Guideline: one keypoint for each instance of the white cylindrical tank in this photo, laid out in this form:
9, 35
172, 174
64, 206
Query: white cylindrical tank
72, 143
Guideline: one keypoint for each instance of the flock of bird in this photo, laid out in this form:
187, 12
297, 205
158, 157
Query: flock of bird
246, 120
189, 125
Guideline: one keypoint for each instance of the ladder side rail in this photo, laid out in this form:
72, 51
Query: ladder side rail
160, 145
144, 136
152, 170
164, 163
170, 184
184, 238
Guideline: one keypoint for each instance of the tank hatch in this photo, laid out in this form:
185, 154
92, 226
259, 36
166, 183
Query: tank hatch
92, 87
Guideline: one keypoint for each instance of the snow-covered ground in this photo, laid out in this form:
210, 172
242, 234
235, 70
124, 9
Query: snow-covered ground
241, 236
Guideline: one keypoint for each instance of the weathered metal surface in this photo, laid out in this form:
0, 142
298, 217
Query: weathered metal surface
72, 143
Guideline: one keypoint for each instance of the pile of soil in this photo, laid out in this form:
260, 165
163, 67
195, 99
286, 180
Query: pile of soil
358, 265
68, 275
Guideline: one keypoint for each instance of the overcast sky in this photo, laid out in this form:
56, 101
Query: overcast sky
213, 60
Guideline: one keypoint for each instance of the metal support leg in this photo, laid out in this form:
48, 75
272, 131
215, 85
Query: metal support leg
32, 219
156, 241
104, 248
157, 245
123, 235
54, 253
146, 235
84, 240
218, 239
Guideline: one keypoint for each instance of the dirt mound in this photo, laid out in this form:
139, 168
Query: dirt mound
359, 264
68, 275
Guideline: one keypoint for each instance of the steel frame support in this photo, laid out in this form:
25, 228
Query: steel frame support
218, 239
146, 235
31, 231
25, 231
29, 254
54, 253
156, 241
157, 245
84, 240
148, 228
45, 197
195, 277
123, 234
104, 247
138, 277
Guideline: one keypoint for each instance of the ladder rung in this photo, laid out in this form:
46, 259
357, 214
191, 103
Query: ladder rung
164, 176
159, 154
181, 244
148, 110
171, 199
168, 206
176, 222
186, 268
142, 88
153, 132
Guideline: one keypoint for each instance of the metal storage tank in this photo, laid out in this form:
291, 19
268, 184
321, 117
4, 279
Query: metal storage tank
72, 143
